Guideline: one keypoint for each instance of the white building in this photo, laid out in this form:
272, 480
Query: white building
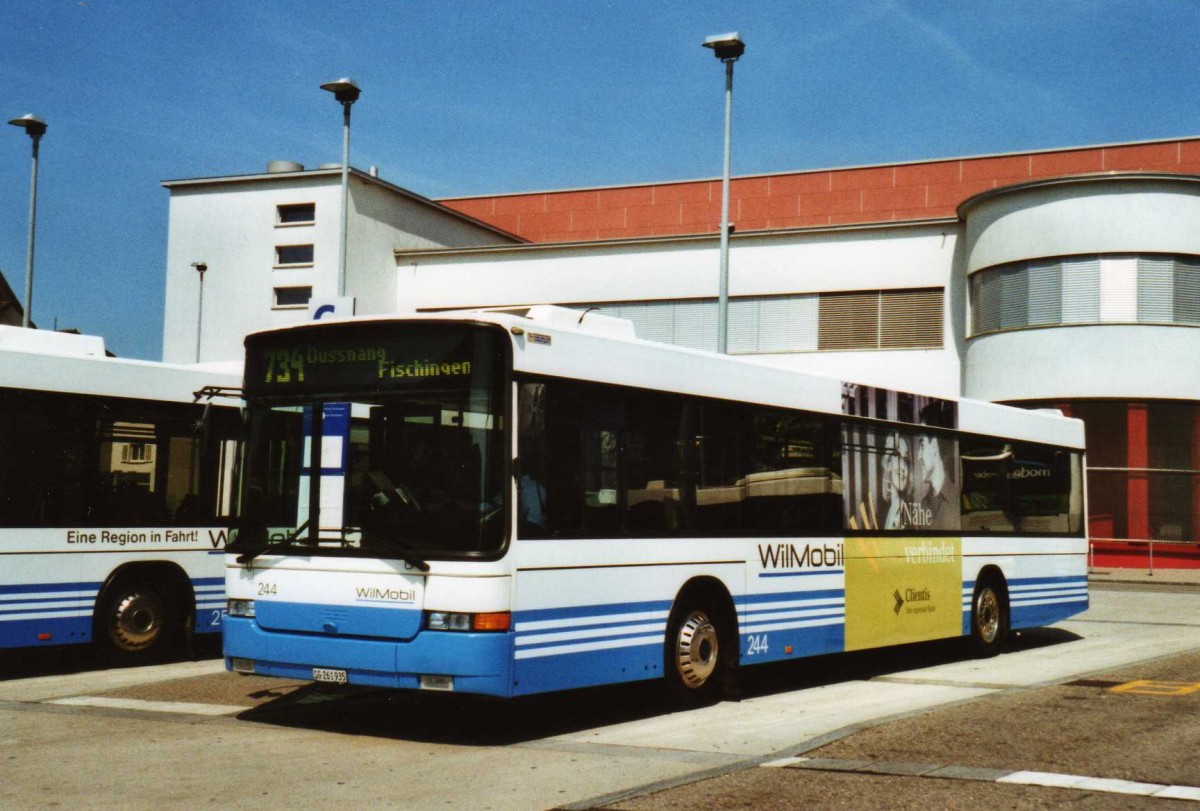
1065, 278
270, 245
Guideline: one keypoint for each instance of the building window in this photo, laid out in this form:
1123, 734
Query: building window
881, 319
293, 255
804, 322
296, 214
1111, 289
135, 452
286, 297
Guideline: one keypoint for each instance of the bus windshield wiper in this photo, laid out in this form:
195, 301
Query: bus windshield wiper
400, 547
264, 548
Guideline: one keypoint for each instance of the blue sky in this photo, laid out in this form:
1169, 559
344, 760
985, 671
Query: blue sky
465, 98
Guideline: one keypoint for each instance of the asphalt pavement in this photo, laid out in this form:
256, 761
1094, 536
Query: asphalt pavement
1121, 739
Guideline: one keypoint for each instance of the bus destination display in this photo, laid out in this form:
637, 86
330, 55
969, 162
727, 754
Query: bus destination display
366, 359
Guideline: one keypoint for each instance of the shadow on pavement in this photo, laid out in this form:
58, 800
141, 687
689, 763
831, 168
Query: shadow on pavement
25, 663
474, 721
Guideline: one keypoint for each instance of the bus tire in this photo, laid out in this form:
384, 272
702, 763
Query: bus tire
989, 617
135, 619
696, 659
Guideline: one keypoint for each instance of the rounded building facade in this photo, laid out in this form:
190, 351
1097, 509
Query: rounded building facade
1084, 295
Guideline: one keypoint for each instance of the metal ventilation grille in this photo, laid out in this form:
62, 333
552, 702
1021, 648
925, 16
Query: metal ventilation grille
849, 321
911, 319
882, 319
1187, 291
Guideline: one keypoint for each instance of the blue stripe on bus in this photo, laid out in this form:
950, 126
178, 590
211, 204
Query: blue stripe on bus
778, 596
65, 611
61, 630
604, 610
802, 574
43, 600
47, 588
1034, 602
478, 662
607, 644
589, 669
85, 604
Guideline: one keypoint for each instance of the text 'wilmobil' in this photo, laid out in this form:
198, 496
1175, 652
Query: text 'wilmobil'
787, 556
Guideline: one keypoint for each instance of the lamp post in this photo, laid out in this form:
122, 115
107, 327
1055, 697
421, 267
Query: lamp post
35, 128
728, 48
200, 268
346, 91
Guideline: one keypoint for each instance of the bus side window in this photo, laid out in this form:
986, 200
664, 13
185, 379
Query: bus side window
41, 452
718, 461
652, 480
787, 480
532, 495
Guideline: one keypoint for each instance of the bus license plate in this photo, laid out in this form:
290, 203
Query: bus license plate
329, 676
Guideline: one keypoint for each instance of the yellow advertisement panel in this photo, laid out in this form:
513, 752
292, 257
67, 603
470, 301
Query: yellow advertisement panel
902, 590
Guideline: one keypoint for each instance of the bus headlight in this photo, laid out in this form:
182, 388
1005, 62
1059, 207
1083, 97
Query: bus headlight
448, 621
455, 621
240, 608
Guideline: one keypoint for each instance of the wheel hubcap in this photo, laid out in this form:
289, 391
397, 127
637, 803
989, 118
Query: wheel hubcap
987, 615
136, 621
696, 649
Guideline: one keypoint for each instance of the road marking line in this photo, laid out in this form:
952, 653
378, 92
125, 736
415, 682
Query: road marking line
1179, 793
1149, 687
183, 707
1107, 785
1019, 778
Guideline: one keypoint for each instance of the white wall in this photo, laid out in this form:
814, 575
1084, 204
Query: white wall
1096, 214
1100, 214
813, 262
229, 223
231, 227
381, 222
1097, 360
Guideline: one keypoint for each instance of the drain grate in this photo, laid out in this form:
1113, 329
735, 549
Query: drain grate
1103, 684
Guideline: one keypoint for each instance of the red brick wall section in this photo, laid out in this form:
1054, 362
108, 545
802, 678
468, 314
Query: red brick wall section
912, 191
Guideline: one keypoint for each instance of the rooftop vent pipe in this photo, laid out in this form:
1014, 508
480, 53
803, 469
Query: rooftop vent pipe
276, 167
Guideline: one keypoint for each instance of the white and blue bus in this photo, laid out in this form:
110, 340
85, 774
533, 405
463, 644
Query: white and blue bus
521, 501
115, 496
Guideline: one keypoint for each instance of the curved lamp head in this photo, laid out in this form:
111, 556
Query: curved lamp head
32, 125
345, 90
726, 47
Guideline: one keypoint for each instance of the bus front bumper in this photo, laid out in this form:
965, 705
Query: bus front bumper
478, 663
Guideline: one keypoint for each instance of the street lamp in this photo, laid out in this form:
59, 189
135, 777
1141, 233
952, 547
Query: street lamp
35, 128
346, 91
200, 268
728, 48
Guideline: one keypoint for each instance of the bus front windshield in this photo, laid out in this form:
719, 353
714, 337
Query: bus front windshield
412, 468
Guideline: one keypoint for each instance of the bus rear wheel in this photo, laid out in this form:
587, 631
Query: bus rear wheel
989, 619
695, 657
135, 619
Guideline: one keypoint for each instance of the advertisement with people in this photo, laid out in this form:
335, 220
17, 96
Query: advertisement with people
899, 478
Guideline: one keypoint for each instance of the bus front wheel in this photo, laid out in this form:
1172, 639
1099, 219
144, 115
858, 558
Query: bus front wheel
695, 660
989, 618
135, 619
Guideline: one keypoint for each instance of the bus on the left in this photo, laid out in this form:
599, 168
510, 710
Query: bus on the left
115, 484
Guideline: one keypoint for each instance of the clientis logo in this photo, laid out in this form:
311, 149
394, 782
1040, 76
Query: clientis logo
787, 556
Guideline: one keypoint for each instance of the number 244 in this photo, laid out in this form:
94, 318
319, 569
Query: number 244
757, 645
